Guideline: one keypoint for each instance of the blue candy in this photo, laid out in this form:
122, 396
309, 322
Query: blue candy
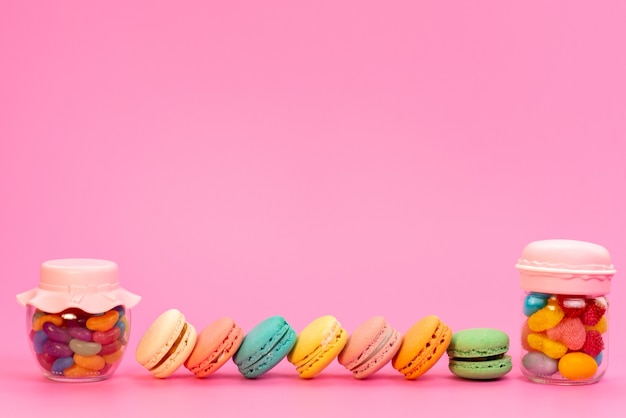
39, 338
598, 358
61, 364
535, 301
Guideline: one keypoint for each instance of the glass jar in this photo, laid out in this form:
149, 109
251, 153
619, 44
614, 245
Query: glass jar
565, 329
78, 319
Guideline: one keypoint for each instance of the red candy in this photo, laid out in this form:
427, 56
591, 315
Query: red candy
593, 312
570, 331
594, 343
573, 307
106, 337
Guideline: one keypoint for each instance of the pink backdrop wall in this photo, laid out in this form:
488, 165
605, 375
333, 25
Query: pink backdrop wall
347, 158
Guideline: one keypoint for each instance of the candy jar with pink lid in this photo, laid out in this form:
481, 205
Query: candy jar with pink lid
565, 328
78, 319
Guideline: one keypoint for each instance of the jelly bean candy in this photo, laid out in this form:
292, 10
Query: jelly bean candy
38, 321
113, 357
122, 324
56, 333
534, 301
552, 349
85, 348
103, 322
120, 310
111, 348
89, 362
577, 366
57, 349
106, 337
570, 331
46, 361
78, 371
61, 364
598, 358
80, 333
539, 364
545, 318
39, 339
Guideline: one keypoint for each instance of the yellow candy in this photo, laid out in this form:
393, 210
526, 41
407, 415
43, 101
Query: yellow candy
90, 362
552, 349
545, 318
103, 322
601, 326
577, 366
40, 320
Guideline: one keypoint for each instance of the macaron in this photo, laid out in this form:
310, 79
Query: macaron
166, 344
479, 354
318, 344
215, 345
422, 346
264, 347
370, 347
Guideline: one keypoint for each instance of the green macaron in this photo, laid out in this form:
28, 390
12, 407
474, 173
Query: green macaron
479, 354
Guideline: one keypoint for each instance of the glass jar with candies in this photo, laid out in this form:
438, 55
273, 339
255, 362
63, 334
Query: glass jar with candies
78, 319
565, 329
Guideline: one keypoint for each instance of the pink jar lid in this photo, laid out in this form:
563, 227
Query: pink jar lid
565, 267
85, 283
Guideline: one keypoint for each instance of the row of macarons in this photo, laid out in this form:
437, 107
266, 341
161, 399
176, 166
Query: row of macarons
171, 342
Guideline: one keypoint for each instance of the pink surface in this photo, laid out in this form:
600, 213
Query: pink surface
344, 158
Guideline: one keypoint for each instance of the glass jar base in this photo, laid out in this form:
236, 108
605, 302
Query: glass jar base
561, 381
85, 379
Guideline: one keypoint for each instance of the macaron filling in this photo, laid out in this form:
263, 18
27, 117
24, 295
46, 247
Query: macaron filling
371, 353
172, 349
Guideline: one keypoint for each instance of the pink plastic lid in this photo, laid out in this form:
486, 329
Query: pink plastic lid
566, 267
89, 284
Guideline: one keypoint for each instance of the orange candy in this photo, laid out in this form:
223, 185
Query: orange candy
90, 362
577, 366
103, 322
78, 371
40, 320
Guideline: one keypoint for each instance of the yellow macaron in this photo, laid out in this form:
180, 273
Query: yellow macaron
317, 346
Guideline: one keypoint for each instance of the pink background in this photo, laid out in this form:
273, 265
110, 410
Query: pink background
307, 158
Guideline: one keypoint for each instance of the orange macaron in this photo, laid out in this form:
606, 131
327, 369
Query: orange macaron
422, 346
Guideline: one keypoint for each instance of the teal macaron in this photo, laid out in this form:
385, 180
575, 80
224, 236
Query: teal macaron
264, 347
479, 354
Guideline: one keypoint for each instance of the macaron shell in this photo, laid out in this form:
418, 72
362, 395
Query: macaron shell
317, 346
370, 347
422, 346
176, 359
264, 346
159, 338
217, 343
384, 356
481, 370
478, 342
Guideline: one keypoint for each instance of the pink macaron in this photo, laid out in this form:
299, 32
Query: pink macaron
372, 345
